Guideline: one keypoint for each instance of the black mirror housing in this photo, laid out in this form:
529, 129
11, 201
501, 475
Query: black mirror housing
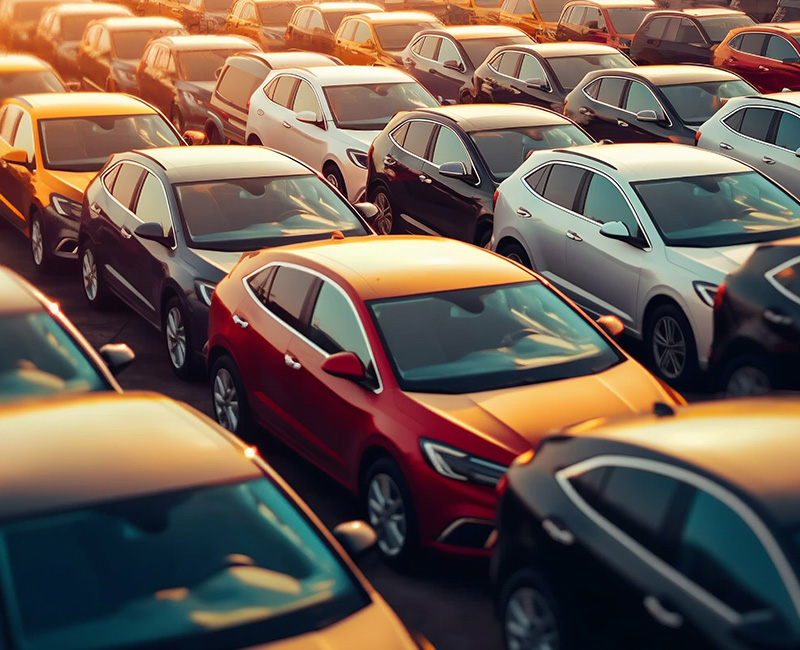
117, 356
153, 232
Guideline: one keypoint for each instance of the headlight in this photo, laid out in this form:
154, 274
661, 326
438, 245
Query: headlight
459, 465
706, 291
359, 158
65, 207
204, 291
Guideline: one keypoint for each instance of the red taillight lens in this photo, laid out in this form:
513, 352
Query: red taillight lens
719, 296
697, 137
502, 484
494, 198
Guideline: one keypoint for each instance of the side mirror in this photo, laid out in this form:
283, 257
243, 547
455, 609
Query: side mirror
308, 117
195, 137
454, 65
797, 153
647, 115
355, 536
342, 364
453, 170
612, 325
117, 356
367, 210
612, 230
537, 82
153, 232
16, 157
73, 85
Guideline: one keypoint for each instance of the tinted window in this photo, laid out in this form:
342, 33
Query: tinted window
655, 28
237, 85
448, 52
428, 48
537, 180
756, 123
260, 282
780, 49
788, 134
370, 106
417, 137
152, 203
752, 43
604, 202
562, 183
717, 28
23, 138
640, 98
449, 148
507, 63
695, 103
110, 177
611, 90
287, 295
531, 69
282, 91
734, 120
306, 100
399, 134
593, 88
688, 33
125, 183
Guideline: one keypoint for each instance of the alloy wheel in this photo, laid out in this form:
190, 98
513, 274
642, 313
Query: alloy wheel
226, 400
37, 242
530, 623
387, 514
89, 272
176, 337
669, 347
384, 218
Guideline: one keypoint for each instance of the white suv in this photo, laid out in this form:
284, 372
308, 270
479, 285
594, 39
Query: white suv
328, 116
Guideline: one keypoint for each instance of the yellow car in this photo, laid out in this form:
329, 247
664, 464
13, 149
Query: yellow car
52, 145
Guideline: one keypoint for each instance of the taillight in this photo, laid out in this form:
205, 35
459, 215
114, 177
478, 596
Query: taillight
494, 198
697, 137
719, 295
502, 484
248, 105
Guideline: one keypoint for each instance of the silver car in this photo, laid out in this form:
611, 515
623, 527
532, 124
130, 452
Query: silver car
646, 232
763, 131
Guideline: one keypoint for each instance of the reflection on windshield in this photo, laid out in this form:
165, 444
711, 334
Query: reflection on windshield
369, 107
83, 144
237, 560
478, 49
30, 81
718, 28
695, 103
570, 70
252, 213
397, 36
486, 338
627, 21
720, 209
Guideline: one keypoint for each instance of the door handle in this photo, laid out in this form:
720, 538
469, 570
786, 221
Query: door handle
516, 91
522, 212
763, 68
389, 160
425, 179
127, 234
571, 234
664, 616
776, 317
622, 123
768, 160
241, 322
725, 146
293, 363
558, 532
583, 110
287, 125
95, 209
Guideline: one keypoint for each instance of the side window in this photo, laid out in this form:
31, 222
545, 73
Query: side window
671, 29
417, 137
347, 30
110, 177
593, 19
152, 203
593, 89
523, 8
507, 63
282, 92
448, 52
399, 134
430, 45
449, 148
779, 48
104, 43
640, 98
363, 32
610, 91
236, 86
300, 19
752, 43
604, 202
287, 295
249, 13
149, 57
688, 33
260, 283
125, 183
23, 138
756, 123
538, 179
561, 184
736, 42
531, 69
315, 21
8, 122
306, 100
236, 12
655, 28
788, 134
90, 37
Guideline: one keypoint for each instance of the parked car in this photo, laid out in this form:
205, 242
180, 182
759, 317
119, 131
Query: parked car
435, 171
686, 36
649, 235
51, 146
541, 74
312, 27
379, 38
264, 21
787, 11
422, 382
178, 73
762, 131
668, 530
768, 56
439, 8
111, 49
444, 60
175, 519
473, 12
160, 228
327, 117
23, 74
538, 19
240, 76
756, 343
653, 103
610, 22
41, 351
60, 29
198, 16
18, 21
762, 11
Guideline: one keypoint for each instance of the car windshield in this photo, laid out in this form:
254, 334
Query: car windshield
720, 209
369, 107
83, 144
202, 65
485, 338
272, 13
252, 213
569, 70
29, 81
478, 49
695, 103
38, 357
627, 20
717, 27
131, 44
504, 150
396, 36
25, 12
224, 566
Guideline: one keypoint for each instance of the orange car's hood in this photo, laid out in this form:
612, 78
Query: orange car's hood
516, 418
70, 184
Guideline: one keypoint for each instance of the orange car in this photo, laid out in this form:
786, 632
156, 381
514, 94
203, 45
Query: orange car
537, 18
22, 73
52, 145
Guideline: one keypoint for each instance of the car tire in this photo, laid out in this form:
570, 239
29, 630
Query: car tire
671, 349
747, 374
484, 236
384, 222
43, 259
178, 341
334, 176
466, 98
516, 253
389, 509
254, 141
214, 136
94, 289
228, 398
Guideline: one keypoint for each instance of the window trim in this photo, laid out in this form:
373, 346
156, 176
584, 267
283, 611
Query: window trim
629, 80
770, 275
751, 138
322, 105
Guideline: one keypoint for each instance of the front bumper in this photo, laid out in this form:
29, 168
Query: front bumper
60, 234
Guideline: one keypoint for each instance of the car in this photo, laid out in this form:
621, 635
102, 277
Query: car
686, 36
422, 376
762, 131
673, 529
542, 74
435, 170
198, 16
439, 8
756, 342
18, 20
765, 55
379, 38
177, 74
138, 503
60, 29
327, 117
111, 49
762, 11
312, 27
51, 146
787, 11
22, 74
610, 22
41, 351
473, 12
264, 21
159, 228
240, 76
444, 60
536, 18
649, 235
654, 103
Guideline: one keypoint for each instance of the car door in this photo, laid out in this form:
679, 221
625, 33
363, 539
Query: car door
87, 57
651, 37
746, 55
318, 35
422, 58
273, 123
687, 45
495, 78
638, 97
599, 110
569, 24
233, 21
780, 68
752, 131
15, 179
100, 67
447, 71
360, 48
784, 169
309, 142
249, 25
146, 73
408, 179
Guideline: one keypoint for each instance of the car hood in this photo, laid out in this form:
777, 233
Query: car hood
517, 418
723, 260
222, 260
362, 137
70, 184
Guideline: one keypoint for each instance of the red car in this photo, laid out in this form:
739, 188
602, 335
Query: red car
767, 55
412, 370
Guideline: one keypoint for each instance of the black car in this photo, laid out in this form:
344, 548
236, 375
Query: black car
684, 36
656, 103
541, 74
676, 530
756, 345
159, 228
42, 353
111, 49
444, 60
434, 171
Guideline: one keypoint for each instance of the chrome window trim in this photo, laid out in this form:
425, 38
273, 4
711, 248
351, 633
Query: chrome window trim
619, 108
700, 483
545, 78
425, 58
770, 275
769, 58
751, 138
324, 278
761, 56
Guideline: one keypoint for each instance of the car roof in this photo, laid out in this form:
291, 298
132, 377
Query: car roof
90, 8
396, 17
786, 28
790, 97
204, 42
699, 12
18, 296
297, 58
476, 117
124, 23
22, 62
667, 75
615, 3
332, 7
333, 75
187, 164
467, 32
69, 452
44, 105
570, 48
